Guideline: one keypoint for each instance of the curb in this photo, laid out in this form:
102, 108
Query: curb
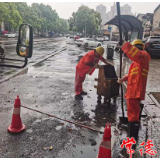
24, 69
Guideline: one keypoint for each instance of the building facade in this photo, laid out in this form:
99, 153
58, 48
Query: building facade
125, 10
102, 10
147, 20
156, 21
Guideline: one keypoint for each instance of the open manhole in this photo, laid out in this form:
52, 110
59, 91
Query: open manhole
156, 95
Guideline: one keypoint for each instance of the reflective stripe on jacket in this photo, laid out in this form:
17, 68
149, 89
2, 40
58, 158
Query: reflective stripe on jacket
138, 72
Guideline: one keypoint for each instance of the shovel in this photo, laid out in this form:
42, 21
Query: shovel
123, 119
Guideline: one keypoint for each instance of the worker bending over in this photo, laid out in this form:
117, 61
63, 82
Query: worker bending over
137, 80
87, 65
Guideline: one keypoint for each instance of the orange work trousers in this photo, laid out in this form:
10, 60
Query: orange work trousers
133, 109
78, 82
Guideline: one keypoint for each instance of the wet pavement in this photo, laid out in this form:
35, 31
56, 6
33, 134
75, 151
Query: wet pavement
48, 86
41, 49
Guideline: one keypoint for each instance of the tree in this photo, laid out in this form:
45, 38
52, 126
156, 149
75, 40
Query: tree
10, 15
4, 12
47, 15
63, 26
85, 16
42, 17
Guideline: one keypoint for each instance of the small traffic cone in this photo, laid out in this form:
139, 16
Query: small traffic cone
105, 146
16, 125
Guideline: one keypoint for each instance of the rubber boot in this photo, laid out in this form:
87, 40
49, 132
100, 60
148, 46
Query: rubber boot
134, 130
122, 153
78, 97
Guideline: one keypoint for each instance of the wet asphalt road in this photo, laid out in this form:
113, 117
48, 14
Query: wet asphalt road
49, 87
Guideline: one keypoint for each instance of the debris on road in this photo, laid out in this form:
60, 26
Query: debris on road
93, 142
74, 145
50, 148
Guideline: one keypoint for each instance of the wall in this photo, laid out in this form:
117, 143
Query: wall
156, 19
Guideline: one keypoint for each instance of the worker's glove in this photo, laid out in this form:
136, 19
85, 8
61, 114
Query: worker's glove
120, 80
96, 65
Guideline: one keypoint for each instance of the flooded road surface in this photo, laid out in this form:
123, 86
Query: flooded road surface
49, 87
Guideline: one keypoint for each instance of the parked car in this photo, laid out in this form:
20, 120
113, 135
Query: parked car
10, 35
17, 34
67, 35
106, 38
4, 32
87, 42
77, 37
100, 38
72, 36
43, 35
152, 46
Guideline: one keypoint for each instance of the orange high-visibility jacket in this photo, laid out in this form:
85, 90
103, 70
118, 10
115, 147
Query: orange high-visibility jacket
87, 58
138, 72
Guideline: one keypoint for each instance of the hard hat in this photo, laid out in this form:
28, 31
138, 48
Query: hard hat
138, 41
100, 50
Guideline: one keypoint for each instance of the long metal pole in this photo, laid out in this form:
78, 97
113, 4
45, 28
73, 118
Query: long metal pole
120, 33
78, 124
85, 28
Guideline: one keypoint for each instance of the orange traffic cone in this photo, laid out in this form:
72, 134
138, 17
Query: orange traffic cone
105, 146
16, 125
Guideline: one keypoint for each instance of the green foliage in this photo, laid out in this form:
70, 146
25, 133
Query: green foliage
42, 17
4, 12
85, 16
10, 15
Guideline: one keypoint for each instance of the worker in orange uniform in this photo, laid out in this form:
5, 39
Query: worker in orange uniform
87, 65
137, 80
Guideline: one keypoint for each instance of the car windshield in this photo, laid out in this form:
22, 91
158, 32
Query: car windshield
152, 39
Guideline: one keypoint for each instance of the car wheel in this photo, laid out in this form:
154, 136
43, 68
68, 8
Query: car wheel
86, 45
79, 45
98, 45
